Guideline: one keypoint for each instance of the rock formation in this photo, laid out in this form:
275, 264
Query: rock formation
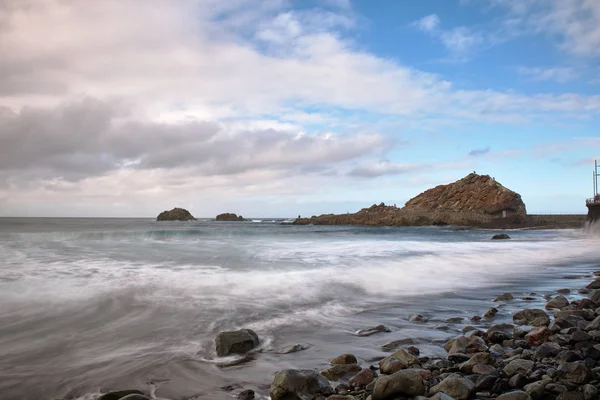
229, 217
475, 200
176, 214
473, 193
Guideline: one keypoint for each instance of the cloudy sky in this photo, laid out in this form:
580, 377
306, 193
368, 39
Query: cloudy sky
284, 107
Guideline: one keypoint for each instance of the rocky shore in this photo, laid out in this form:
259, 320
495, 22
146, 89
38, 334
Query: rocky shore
550, 352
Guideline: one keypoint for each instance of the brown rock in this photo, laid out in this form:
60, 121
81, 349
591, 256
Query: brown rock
344, 359
538, 336
363, 378
176, 214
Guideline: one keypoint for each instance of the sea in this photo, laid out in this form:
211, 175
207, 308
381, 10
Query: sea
93, 305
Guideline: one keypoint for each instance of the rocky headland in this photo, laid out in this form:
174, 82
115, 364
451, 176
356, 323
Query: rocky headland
176, 214
474, 201
229, 217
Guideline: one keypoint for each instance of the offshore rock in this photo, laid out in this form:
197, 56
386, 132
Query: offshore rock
229, 217
176, 214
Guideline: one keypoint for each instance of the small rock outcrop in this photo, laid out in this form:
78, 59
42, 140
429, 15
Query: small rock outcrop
500, 236
176, 214
229, 217
236, 342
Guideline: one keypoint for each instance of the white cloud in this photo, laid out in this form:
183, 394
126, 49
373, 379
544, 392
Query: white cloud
429, 23
558, 74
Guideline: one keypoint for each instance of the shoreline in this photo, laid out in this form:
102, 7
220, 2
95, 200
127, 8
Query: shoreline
433, 365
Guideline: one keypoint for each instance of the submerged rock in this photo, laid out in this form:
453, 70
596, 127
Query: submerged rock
176, 214
500, 236
236, 342
504, 297
293, 384
344, 359
372, 331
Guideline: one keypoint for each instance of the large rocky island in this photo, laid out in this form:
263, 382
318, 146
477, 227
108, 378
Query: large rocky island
475, 200
176, 214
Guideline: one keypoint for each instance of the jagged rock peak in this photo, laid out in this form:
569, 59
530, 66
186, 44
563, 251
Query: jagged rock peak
473, 193
176, 214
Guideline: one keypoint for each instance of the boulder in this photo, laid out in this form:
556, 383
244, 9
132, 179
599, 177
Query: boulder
465, 345
491, 312
477, 359
344, 359
518, 366
246, 395
456, 386
576, 373
558, 302
176, 214
537, 336
236, 342
118, 395
396, 343
595, 324
500, 236
293, 384
340, 371
401, 355
516, 395
536, 389
229, 217
546, 350
526, 316
363, 378
402, 383
504, 297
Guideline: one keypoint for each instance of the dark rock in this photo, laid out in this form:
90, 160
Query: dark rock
475, 318
229, 217
585, 314
593, 352
363, 378
528, 315
400, 359
546, 350
594, 296
176, 214
559, 302
344, 359
491, 312
579, 336
454, 320
455, 386
485, 382
416, 318
497, 337
563, 291
466, 345
594, 284
517, 381
516, 395
476, 359
500, 236
558, 324
246, 395
518, 366
340, 371
536, 389
413, 350
575, 373
540, 321
396, 343
538, 336
500, 386
570, 396
293, 349
295, 384
590, 392
236, 342
504, 297
595, 324
372, 331
567, 356
402, 383
118, 395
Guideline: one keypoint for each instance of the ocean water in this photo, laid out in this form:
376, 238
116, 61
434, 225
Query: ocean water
92, 305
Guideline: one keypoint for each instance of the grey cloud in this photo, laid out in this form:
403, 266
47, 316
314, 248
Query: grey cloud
91, 137
479, 152
376, 169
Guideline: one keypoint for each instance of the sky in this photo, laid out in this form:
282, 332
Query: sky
277, 108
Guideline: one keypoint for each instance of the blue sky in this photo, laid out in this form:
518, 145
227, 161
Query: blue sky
281, 108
